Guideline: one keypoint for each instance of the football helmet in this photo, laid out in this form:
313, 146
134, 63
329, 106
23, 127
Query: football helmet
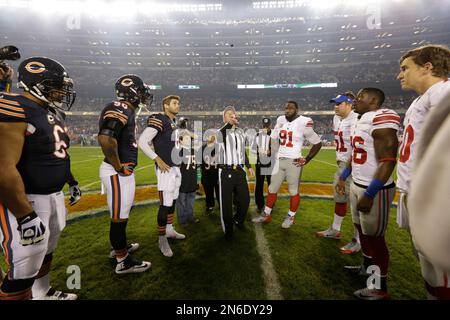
47, 80
131, 88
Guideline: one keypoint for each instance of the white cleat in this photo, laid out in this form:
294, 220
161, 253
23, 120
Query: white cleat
329, 233
165, 247
263, 218
53, 294
351, 247
132, 247
288, 222
172, 234
132, 265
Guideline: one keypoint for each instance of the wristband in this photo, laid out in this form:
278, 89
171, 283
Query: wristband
375, 186
32, 215
73, 183
345, 173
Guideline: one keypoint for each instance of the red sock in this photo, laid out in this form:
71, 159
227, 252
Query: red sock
340, 209
365, 245
295, 202
380, 253
271, 199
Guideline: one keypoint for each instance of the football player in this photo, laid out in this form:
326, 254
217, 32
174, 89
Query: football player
291, 130
424, 70
117, 137
342, 123
374, 152
36, 165
161, 132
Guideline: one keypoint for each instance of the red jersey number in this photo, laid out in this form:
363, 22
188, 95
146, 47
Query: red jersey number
340, 146
286, 138
405, 149
359, 154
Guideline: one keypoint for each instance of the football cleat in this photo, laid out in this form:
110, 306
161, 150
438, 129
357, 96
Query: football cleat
131, 248
132, 265
329, 233
172, 234
351, 247
371, 294
165, 247
356, 270
210, 210
53, 294
288, 222
264, 218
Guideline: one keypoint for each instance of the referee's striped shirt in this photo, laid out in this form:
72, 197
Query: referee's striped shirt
231, 144
262, 144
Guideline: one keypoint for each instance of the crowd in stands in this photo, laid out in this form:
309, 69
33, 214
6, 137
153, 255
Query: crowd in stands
83, 129
307, 102
346, 74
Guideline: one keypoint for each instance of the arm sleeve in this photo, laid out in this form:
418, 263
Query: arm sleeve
154, 122
254, 146
385, 119
311, 135
145, 139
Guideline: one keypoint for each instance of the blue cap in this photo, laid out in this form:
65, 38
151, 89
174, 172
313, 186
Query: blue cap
341, 98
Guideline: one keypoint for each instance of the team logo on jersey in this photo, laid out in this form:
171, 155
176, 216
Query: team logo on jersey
50, 119
126, 82
35, 67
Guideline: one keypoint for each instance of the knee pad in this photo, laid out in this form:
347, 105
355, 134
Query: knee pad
162, 215
118, 235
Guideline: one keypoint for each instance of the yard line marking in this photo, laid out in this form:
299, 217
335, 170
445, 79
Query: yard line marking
92, 183
272, 285
328, 163
96, 158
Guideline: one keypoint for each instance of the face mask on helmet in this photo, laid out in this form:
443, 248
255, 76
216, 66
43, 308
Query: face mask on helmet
62, 97
145, 97
47, 80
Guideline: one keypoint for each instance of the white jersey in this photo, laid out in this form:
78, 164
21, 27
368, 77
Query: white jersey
292, 135
342, 131
364, 161
414, 120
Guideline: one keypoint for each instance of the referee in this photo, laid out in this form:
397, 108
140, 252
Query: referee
233, 187
262, 147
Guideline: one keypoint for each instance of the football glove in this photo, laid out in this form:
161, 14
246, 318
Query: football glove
75, 193
127, 169
299, 162
31, 229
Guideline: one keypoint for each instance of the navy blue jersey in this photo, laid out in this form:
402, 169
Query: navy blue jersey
44, 164
163, 143
188, 169
126, 141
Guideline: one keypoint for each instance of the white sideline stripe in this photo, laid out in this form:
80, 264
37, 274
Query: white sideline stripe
272, 285
96, 158
328, 163
99, 181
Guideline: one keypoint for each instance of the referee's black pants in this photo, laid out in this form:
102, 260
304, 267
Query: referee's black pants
210, 184
259, 187
233, 190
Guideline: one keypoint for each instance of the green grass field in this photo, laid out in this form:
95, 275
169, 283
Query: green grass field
205, 266
86, 163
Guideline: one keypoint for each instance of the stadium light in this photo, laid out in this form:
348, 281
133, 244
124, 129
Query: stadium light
107, 8
316, 4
